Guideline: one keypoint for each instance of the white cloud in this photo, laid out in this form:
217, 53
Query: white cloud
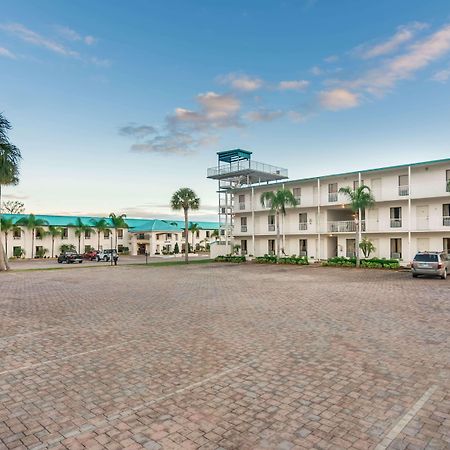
100, 62
418, 56
242, 82
263, 115
403, 35
337, 99
6, 53
137, 131
89, 40
72, 35
441, 75
27, 35
316, 70
295, 85
331, 59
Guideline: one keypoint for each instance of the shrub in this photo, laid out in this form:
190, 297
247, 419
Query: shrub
230, 258
270, 259
67, 248
373, 263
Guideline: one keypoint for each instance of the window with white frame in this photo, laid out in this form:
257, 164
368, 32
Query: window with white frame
332, 192
243, 224
303, 221
403, 185
297, 192
241, 201
271, 222
303, 247
396, 217
446, 214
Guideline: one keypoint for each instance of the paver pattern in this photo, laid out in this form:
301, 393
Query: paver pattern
221, 356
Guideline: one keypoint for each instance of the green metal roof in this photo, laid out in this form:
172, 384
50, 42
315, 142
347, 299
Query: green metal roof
234, 155
354, 172
135, 225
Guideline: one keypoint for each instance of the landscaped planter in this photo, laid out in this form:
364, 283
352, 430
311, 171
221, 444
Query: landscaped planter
374, 263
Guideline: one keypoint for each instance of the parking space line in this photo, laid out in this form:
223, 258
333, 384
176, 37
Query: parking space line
64, 358
405, 419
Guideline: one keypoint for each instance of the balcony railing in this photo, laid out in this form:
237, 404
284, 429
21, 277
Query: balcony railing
303, 226
341, 226
243, 228
246, 164
396, 223
332, 196
446, 221
271, 227
403, 191
241, 206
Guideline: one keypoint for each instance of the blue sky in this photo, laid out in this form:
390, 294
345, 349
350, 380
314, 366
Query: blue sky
117, 104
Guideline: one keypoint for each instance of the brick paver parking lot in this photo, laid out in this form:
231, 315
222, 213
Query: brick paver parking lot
220, 356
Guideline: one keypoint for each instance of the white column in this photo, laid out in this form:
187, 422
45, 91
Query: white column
318, 219
282, 228
359, 219
253, 220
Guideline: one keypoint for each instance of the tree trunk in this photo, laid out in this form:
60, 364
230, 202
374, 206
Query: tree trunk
3, 258
278, 235
358, 227
32, 243
53, 246
98, 240
79, 244
186, 237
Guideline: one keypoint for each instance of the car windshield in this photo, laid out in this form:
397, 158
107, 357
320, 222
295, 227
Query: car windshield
425, 257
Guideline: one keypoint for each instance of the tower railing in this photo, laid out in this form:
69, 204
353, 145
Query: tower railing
225, 169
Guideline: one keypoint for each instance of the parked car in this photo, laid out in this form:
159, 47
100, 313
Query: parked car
69, 258
105, 255
430, 263
91, 255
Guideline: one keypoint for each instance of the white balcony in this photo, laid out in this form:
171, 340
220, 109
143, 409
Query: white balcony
341, 226
270, 227
243, 228
403, 191
396, 223
241, 206
332, 197
303, 226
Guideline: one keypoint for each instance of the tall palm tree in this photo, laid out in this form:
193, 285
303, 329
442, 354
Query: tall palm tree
7, 225
80, 229
54, 232
118, 222
35, 225
9, 172
185, 199
100, 225
278, 201
193, 228
360, 199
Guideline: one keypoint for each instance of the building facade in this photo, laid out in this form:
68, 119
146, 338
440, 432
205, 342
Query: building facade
151, 236
411, 213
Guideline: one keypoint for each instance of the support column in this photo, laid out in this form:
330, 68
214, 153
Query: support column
409, 215
357, 250
318, 220
253, 220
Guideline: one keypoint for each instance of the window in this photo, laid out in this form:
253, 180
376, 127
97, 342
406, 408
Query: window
106, 234
297, 192
141, 236
208, 233
241, 201
120, 248
197, 234
446, 215
303, 247
120, 234
243, 246
271, 223
87, 234
333, 192
244, 224
271, 246
396, 217
403, 188
176, 237
303, 221
447, 180
17, 233
39, 234
65, 233
157, 237
169, 235
87, 248
396, 248
356, 184
222, 232
17, 252
350, 245
446, 245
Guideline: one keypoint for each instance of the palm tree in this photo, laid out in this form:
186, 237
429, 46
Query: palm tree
118, 222
215, 234
9, 172
185, 199
278, 201
35, 225
194, 227
360, 199
80, 229
7, 225
54, 232
100, 225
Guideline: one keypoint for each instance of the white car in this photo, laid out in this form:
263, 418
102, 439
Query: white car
105, 255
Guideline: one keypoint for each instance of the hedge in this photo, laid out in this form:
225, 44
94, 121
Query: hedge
270, 259
230, 258
373, 263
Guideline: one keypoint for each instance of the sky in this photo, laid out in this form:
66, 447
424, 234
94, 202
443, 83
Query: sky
115, 104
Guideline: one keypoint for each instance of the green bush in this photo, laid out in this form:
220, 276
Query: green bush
230, 258
270, 259
373, 263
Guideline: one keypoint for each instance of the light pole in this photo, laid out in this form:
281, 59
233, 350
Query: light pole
111, 254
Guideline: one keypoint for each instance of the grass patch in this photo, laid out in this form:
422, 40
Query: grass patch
171, 263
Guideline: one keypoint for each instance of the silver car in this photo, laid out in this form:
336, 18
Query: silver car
430, 263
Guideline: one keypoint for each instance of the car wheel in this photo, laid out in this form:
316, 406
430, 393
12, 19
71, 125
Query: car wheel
79, 262
415, 275
105, 258
59, 262
444, 277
